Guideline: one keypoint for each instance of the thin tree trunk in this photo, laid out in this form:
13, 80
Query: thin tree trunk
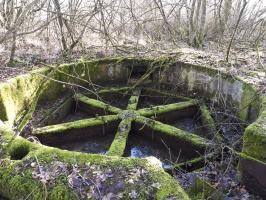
191, 22
197, 16
159, 5
203, 20
61, 24
226, 14
13, 48
237, 24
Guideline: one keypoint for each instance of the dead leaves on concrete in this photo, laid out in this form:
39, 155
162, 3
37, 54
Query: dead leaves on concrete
94, 181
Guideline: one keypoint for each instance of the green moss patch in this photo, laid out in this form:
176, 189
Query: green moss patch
92, 103
254, 141
209, 123
18, 149
60, 128
133, 101
119, 144
157, 110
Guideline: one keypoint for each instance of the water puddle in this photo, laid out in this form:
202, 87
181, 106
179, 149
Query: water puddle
191, 125
139, 147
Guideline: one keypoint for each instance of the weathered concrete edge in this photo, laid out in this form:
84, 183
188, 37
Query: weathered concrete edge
209, 80
16, 93
254, 141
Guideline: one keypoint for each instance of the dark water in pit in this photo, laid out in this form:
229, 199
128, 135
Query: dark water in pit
139, 147
190, 125
230, 127
76, 115
147, 101
95, 144
119, 100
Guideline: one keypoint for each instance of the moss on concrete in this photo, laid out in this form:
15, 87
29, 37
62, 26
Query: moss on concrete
157, 110
15, 186
254, 140
118, 145
60, 128
168, 186
209, 123
16, 94
250, 98
96, 104
133, 101
18, 149
195, 163
114, 89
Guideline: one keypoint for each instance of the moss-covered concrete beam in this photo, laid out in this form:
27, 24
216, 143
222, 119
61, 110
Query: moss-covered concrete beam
59, 128
173, 131
209, 123
193, 164
157, 110
113, 89
133, 101
118, 146
96, 104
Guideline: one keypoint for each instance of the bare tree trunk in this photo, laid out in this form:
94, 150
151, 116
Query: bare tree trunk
13, 49
159, 5
61, 24
197, 22
226, 14
197, 16
237, 24
191, 22
215, 14
203, 20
